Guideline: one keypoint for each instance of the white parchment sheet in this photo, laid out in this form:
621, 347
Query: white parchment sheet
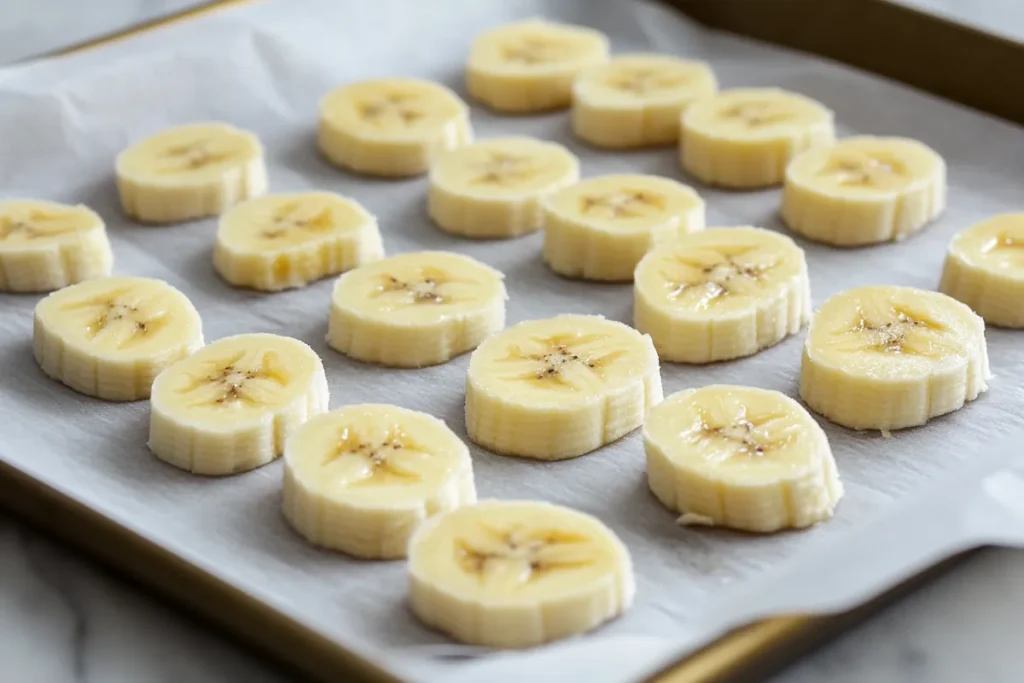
910, 499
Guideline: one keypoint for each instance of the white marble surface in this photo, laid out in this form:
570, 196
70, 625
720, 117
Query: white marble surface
62, 620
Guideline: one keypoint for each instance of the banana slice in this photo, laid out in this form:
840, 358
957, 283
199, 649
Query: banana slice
45, 246
416, 309
720, 294
529, 66
514, 574
600, 228
191, 171
363, 478
494, 188
561, 387
892, 357
289, 240
391, 127
636, 100
985, 269
111, 337
744, 138
864, 190
230, 406
739, 457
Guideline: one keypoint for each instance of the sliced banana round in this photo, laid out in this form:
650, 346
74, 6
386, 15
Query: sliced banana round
190, 171
45, 245
892, 357
600, 228
289, 240
560, 387
110, 337
416, 309
744, 138
529, 66
722, 293
514, 574
230, 406
864, 190
493, 188
393, 127
740, 457
636, 100
363, 478
985, 269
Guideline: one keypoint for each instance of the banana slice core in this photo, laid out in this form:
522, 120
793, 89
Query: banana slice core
514, 574
740, 457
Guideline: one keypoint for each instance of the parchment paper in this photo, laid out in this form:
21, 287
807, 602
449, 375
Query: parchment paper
910, 499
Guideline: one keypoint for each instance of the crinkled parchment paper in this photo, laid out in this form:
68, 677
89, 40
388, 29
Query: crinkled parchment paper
910, 500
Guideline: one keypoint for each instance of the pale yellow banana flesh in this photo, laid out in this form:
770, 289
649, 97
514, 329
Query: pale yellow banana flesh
722, 293
530, 66
416, 309
985, 269
864, 190
230, 406
189, 172
600, 228
45, 245
494, 188
363, 478
636, 100
892, 357
514, 574
560, 387
740, 457
290, 240
745, 138
392, 127
110, 337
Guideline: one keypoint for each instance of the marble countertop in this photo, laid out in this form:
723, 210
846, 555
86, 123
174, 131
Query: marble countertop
64, 620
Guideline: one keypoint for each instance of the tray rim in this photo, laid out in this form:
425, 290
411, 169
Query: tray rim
751, 652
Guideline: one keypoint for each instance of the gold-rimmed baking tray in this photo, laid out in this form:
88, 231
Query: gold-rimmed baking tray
836, 32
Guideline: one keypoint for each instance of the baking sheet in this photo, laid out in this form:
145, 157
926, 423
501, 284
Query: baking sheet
910, 499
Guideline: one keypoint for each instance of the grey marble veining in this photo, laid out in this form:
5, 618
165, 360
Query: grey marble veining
64, 621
